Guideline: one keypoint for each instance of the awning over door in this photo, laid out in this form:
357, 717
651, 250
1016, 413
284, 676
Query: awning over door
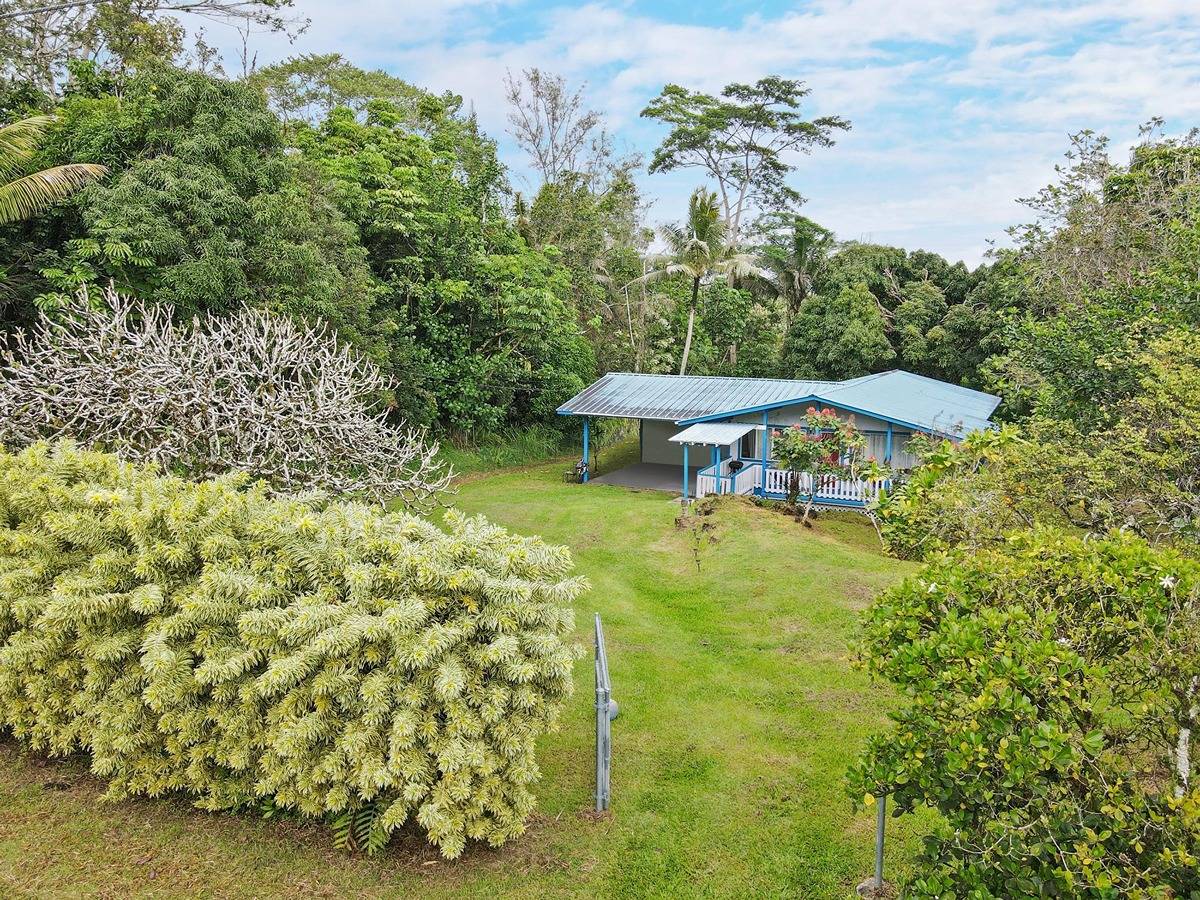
717, 434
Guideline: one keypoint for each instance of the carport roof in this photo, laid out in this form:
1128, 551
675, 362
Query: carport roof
672, 398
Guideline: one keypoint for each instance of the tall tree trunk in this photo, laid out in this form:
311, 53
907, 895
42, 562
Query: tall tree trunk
687, 343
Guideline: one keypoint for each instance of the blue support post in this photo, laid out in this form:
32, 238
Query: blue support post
887, 448
586, 457
716, 461
683, 502
762, 488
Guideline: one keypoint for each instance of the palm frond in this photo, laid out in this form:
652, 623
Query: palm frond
18, 141
665, 268
29, 195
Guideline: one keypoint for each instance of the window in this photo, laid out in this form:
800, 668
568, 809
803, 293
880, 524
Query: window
748, 450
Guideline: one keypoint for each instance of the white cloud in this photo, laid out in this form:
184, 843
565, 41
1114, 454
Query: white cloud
958, 107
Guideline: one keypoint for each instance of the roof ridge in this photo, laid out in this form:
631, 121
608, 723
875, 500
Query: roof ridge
734, 377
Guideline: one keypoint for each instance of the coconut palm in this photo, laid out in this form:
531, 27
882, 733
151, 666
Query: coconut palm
23, 196
790, 261
697, 248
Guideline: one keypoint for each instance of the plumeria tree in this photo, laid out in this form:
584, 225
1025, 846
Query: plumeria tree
820, 449
284, 401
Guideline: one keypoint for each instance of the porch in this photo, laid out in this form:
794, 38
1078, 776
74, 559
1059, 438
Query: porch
745, 476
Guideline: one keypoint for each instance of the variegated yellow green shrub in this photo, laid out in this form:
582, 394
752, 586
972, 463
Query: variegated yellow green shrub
363, 667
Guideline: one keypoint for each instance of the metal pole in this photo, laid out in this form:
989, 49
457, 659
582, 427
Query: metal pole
683, 504
606, 711
586, 450
879, 823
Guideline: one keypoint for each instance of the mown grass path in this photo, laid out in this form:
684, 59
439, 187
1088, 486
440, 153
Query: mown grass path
739, 714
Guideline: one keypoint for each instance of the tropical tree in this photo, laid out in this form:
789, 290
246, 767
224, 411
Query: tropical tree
698, 250
792, 256
22, 196
745, 139
820, 449
39, 39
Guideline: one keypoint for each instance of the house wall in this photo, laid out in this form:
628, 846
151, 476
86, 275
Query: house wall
657, 447
874, 429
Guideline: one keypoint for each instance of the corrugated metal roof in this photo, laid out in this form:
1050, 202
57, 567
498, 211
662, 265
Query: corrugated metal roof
915, 400
720, 434
672, 398
930, 404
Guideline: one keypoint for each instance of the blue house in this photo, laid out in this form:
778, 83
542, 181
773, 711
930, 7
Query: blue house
712, 435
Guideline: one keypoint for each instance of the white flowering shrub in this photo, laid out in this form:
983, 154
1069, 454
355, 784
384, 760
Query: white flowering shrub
339, 662
253, 391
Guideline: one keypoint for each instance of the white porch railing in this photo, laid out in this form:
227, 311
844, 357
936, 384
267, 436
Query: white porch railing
719, 479
836, 490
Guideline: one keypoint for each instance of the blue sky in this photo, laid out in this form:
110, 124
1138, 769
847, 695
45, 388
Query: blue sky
959, 107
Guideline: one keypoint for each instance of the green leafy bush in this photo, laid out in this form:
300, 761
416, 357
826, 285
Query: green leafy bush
335, 661
1051, 711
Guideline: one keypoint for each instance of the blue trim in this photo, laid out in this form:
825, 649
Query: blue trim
887, 453
715, 417
586, 457
812, 398
847, 504
684, 496
766, 438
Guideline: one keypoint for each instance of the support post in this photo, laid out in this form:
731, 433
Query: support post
684, 497
587, 460
887, 450
716, 461
762, 481
873, 886
879, 823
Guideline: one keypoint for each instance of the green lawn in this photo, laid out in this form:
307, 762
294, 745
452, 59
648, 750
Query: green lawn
739, 713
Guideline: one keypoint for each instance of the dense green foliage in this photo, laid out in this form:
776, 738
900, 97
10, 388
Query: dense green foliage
323, 191
481, 329
1046, 684
333, 661
1048, 649
390, 228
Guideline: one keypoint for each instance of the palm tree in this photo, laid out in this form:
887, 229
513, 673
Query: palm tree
789, 265
23, 196
697, 249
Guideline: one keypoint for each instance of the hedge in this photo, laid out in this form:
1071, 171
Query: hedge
334, 661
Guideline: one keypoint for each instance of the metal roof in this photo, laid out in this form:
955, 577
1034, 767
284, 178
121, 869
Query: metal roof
672, 398
931, 405
720, 434
902, 397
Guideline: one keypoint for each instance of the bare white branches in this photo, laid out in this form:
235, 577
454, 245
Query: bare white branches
254, 391
551, 124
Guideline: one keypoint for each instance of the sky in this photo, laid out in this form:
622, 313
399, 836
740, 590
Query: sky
958, 107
